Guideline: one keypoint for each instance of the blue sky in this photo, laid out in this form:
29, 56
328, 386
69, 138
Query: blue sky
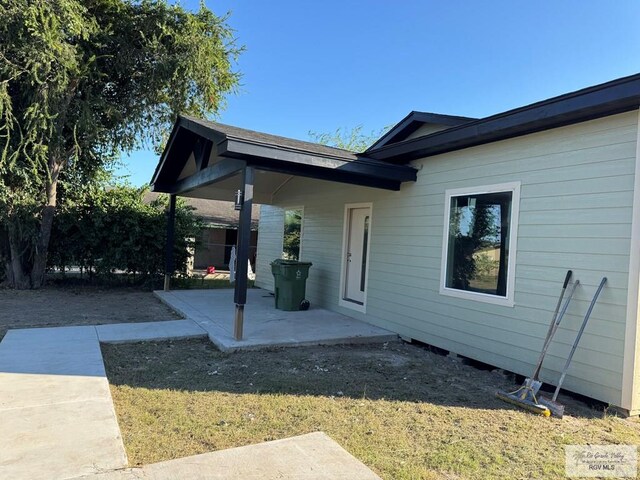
317, 66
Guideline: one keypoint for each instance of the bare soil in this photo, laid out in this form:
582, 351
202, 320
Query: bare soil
55, 307
403, 410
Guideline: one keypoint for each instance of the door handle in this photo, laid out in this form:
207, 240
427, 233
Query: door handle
348, 256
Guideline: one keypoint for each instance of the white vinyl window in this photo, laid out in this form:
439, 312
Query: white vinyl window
479, 243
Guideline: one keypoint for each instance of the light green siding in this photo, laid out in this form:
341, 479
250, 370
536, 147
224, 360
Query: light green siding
426, 129
271, 232
575, 213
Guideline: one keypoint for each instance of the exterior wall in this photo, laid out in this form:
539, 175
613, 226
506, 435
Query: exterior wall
214, 248
577, 188
427, 129
210, 251
271, 232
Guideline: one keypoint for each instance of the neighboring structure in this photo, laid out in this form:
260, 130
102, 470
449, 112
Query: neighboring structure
458, 232
220, 233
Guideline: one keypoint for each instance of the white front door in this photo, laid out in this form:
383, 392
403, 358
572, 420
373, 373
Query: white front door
355, 275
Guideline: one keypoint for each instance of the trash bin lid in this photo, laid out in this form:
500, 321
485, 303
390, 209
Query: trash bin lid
280, 261
295, 263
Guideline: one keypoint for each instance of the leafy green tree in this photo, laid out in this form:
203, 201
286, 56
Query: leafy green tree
485, 265
352, 139
80, 82
292, 231
481, 233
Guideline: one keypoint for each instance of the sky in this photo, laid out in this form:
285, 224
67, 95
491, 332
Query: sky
322, 65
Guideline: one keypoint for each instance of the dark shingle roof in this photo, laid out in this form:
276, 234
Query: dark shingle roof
274, 140
265, 152
415, 120
610, 98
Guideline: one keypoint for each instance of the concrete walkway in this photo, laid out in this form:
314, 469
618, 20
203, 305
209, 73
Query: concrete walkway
56, 413
148, 331
314, 456
264, 326
57, 419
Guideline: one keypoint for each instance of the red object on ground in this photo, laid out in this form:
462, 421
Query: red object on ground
211, 270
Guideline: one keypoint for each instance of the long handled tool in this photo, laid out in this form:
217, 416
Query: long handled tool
534, 381
557, 409
525, 396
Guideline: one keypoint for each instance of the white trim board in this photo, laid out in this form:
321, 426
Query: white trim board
507, 301
631, 325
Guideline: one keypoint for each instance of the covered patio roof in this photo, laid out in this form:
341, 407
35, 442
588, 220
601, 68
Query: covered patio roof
205, 159
202, 153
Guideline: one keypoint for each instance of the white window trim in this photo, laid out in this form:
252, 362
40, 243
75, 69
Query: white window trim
343, 266
507, 301
284, 219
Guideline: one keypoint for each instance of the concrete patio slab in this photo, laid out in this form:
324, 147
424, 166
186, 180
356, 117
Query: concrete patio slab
264, 326
149, 331
56, 410
314, 456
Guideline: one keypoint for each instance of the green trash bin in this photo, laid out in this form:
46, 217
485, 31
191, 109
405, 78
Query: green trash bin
290, 278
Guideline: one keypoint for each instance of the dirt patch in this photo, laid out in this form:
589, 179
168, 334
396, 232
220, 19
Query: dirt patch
405, 412
396, 371
53, 307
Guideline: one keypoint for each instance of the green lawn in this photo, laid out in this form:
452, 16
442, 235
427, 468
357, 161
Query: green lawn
405, 412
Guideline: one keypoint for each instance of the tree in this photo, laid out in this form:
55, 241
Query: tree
292, 231
349, 139
82, 81
115, 229
482, 231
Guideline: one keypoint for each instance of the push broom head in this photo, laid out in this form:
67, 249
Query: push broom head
516, 398
556, 409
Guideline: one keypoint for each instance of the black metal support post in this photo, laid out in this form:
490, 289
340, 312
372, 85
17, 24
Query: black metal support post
242, 258
171, 227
